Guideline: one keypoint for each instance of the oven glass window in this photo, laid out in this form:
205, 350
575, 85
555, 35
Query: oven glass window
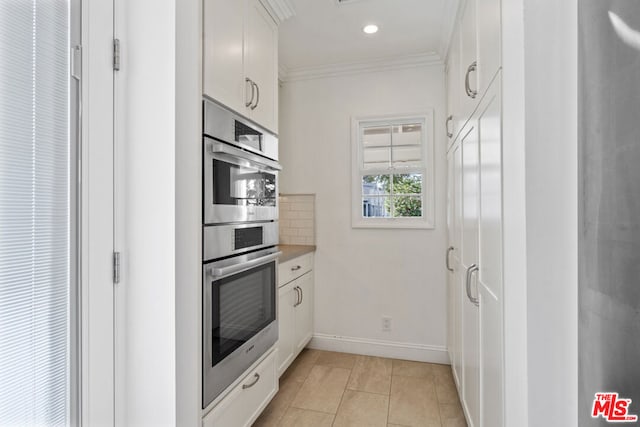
242, 305
241, 186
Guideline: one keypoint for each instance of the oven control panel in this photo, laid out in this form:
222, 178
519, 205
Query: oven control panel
247, 237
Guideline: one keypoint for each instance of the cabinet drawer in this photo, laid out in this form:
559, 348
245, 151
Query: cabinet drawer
248, 399
294, 268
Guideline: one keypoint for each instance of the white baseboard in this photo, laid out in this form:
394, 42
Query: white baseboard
380, 348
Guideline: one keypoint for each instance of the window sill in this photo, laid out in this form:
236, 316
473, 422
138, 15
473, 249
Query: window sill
393, 223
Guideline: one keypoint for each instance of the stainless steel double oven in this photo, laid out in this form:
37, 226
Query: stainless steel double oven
240, 234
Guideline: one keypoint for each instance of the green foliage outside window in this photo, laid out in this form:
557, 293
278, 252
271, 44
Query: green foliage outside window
407, 191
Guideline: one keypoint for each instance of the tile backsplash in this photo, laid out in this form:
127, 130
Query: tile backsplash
297, 219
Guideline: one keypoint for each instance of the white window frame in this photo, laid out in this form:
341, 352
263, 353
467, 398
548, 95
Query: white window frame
427, 221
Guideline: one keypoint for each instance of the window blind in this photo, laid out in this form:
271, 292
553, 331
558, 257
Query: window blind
35, 261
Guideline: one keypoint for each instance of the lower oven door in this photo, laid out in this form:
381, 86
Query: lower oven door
239, 317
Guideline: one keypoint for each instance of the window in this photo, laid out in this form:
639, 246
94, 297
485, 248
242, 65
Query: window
36, 214
392, 168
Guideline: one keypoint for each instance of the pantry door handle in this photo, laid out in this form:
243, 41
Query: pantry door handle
257, 378
472, 269
447, 258
253, 92
258, 95
449, 119
467, 86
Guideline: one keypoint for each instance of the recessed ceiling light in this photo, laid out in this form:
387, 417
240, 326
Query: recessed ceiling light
370, 29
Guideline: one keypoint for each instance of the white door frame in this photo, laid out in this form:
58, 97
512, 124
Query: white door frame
97, 222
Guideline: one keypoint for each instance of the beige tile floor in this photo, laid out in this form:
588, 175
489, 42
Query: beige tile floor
323, 388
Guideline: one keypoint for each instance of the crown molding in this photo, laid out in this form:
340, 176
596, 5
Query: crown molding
280, 10
283, 71
383, 64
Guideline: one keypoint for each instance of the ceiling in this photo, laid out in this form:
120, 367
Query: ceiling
323, 33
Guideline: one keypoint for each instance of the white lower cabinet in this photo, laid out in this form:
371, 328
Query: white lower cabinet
295, 309
303, 327
244, 403
287, 298
475, 236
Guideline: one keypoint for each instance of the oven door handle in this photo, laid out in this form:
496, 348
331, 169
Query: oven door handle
240, 157
220, 272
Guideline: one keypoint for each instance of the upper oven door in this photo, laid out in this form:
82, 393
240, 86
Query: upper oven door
239, 186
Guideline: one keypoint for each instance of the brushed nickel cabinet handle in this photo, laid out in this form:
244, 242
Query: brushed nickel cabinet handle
298, 302
449, 119
253, 92
255, 381
257, 97
467, 86
449, 249
472, 269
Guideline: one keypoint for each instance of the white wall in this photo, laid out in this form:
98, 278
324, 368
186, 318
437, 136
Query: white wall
145, 227
188, 206
552, 222
514, 230
363, 274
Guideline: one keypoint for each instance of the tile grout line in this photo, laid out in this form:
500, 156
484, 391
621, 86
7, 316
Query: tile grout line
389, 402
289, 405
335, 417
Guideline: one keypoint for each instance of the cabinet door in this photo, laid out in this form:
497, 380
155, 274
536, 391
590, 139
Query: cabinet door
490, 257
223, 78
304, 312
261, 65
287, 298
488, 34
451, 325
470, 319
490, 218
468, 56
455, 261
491, 350
454, 119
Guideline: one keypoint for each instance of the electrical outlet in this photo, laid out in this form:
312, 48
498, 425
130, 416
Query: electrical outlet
386, 323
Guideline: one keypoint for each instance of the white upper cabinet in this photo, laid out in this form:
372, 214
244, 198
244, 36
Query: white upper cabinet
454, 119
261, 66
468, 61
488, 41
223, 52
241, 59
473, 61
